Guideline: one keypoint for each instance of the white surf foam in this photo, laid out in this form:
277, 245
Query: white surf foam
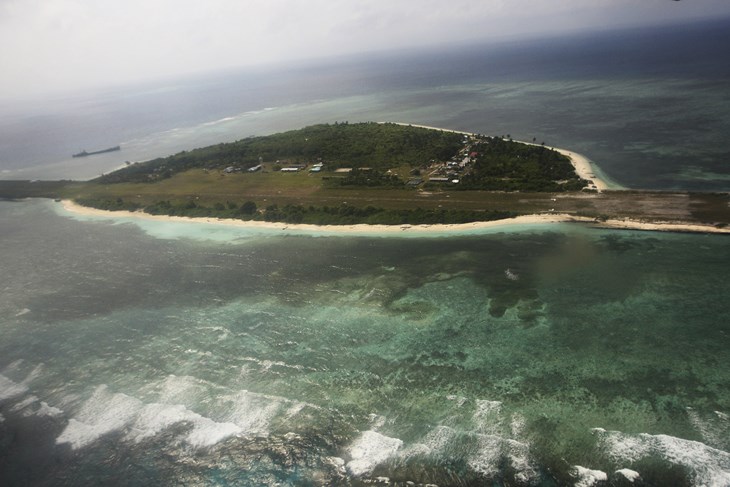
181, 389
28, 401
30, 405
46, 410
295, 409
484, 452
253, 412
105, 412
436, 442
519, 456
714, 428
517, 425
630, 475
10, 390
101, 414
13, 367
487, 417
485, 459
585, 477
709, 466
33, 374
155, 418
369, 450
459, 400
217, 122
208, 432
489, 451
376, 421
243, 412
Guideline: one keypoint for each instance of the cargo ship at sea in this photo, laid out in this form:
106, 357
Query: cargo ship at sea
84, 153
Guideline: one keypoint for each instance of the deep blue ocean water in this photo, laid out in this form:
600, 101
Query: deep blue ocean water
650, 107
141, 353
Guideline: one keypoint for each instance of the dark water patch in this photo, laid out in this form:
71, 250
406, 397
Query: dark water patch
658, 471
653, 385
27, 441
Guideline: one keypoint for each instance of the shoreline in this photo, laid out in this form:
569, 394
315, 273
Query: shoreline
581, 163
365, 229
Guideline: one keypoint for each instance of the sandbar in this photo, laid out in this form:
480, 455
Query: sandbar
364, 229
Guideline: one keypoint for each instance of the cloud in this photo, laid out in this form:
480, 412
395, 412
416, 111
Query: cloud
77, 43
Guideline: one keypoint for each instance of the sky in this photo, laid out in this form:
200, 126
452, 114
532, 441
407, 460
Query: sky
66, 45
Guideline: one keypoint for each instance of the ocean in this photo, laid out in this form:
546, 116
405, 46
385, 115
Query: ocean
146, 353
650, 107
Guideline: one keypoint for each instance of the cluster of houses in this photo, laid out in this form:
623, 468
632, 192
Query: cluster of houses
452, 171
449, 172
300, 167
232, 169
289, 168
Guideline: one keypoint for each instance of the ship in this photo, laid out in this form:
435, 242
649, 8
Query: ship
84, 153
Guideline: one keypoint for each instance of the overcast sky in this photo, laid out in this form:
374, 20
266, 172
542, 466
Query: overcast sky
47, 45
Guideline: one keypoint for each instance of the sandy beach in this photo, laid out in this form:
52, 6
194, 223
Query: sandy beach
363, 229
582, 167
580, 162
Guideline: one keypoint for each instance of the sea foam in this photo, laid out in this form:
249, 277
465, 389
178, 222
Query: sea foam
236, 413
483, 450
369, 450
101, 414
10, 389
28, 401
709, 466
628, 474
585, 477
105, 412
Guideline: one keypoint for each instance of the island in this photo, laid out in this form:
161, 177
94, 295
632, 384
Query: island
387, 174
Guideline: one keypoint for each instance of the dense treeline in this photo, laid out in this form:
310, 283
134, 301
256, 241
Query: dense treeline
326, 215
505, 165
374, 145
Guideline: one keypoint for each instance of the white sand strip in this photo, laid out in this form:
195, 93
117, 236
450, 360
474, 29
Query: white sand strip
363, 229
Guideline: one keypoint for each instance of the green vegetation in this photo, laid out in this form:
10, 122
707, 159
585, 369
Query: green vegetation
505, 165
388, 174
373, 145
378, 155
343, 214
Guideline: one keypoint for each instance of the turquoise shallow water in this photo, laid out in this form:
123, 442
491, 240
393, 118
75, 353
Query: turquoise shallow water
650, 106
545, 356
